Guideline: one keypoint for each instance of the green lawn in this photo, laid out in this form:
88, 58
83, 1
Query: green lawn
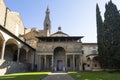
25, 76
95, 75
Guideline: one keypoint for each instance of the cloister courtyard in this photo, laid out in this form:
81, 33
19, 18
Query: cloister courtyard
41, 54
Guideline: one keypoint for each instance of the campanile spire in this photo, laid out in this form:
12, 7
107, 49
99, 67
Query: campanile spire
47, 22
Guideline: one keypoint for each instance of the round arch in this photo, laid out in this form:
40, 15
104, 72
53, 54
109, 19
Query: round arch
30, 56
95, 58
88, 61
12, 41
1, 44
11, 48
95, 62
59, 58
59, 49
22, 57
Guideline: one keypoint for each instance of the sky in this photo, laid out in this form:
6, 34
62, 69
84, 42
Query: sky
75, 17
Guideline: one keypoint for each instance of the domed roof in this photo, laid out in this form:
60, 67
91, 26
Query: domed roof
59, 33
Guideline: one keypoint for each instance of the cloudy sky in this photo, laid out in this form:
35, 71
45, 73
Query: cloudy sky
76, 17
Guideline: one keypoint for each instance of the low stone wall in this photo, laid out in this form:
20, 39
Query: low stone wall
7, 67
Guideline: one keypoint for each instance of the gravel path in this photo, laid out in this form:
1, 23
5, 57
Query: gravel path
58, 76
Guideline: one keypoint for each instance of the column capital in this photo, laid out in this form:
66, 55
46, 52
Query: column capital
20, 45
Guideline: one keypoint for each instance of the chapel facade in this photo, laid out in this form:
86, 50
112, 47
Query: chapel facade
59, 52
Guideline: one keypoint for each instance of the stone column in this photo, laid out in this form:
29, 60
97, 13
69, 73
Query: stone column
33, 60
73, 62
39, 62
81, 62
18, 55
27, 55
3, 50
45, 62
52, 63
91, 64
66, 62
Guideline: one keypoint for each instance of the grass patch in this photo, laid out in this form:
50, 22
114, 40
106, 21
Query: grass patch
25, 76
95, 75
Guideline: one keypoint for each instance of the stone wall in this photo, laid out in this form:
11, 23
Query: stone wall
14, 23
88, 48
2, 12
42, 33
7, 67
68, 46
11, 20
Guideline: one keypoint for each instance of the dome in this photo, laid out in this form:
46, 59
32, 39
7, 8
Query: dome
59, 33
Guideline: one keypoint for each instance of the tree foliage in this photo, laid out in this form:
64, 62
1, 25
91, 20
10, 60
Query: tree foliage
108, 36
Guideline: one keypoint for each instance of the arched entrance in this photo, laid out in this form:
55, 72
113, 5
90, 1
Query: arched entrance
59, 59
88, 66
11, 48
95, 62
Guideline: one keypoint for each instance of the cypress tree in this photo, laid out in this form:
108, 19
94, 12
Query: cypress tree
100, 36
110, 45
112, 24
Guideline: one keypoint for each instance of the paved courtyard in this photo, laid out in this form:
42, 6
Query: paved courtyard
58, 76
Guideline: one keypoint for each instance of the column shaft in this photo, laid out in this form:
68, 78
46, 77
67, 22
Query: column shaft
18, 55
74, 62
91, 65
45, 62
3, 50
33, 60
27, 56
66, 63
52, 63
81, 62
39, 63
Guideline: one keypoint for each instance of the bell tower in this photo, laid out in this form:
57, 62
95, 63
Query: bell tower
47, 22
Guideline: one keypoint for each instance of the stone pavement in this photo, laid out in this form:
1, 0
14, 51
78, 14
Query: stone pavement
58, 76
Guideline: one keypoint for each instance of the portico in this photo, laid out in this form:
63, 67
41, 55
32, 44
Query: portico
59, 62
